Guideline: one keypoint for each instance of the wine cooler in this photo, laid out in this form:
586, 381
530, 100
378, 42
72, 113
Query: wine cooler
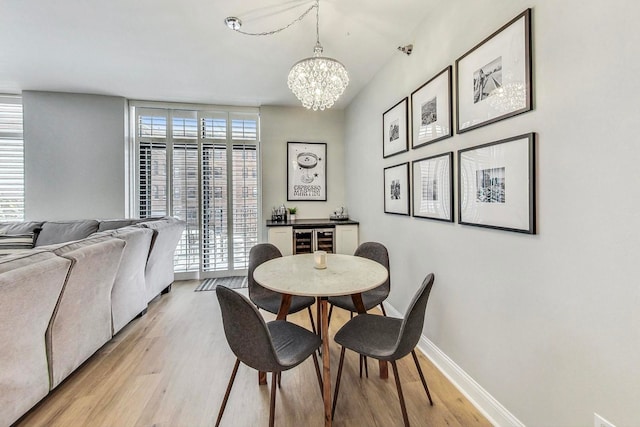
309, 240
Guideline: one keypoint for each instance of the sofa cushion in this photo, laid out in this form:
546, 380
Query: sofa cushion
64, 247
29, 292
11, 243
20, 227
21, 259
65, 231
129, 295
81, 323
112, 224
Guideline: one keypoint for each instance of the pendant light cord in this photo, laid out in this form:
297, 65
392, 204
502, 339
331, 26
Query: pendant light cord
295, 21
317, 5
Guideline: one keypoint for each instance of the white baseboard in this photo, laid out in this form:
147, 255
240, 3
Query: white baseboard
497, 414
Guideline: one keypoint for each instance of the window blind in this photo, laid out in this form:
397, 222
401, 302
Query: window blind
11, 159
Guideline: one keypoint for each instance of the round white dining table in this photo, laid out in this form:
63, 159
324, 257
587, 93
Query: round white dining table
343, 275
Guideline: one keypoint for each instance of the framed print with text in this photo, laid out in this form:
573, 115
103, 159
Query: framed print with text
431, 110
395, 133
496, 185
306, 171
396, 189
433, 187
493, 80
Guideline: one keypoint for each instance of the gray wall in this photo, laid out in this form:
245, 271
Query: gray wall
549, 325
74, 155
278, 125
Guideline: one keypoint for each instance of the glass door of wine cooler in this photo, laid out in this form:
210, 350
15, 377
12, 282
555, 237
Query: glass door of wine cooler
303, 241
324, 240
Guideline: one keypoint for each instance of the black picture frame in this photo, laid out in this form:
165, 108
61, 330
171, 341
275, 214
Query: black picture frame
307, 171
397, 189
432, 184
432, 110
496, 185
494, 80
395, 129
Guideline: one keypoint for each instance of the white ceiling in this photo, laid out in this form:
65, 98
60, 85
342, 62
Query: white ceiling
181, 51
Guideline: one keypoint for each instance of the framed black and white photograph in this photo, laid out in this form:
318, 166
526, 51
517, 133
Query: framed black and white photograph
493, 80
433, 187
431, 110
306, 171
396, 189
496, 185
395, 133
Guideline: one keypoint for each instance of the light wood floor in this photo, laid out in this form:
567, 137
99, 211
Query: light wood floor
171, 368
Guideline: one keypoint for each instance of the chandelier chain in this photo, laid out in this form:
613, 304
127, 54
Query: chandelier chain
295, 21
317, 5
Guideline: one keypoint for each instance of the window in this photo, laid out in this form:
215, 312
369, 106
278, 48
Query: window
207, 162
11, 159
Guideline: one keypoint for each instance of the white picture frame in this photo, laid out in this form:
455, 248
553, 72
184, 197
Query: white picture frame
432, 184
493, 80
395, 133
432, 110
396, 189
496, 185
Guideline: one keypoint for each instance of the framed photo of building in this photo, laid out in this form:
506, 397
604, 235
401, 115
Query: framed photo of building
306, 171
493, 80
431, 110
395, 133
496, 185
396, 189
433, 187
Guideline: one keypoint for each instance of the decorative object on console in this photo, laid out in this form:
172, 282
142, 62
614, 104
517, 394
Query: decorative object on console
339, 214
395, 129
433, 187
396, 189
292, 213
317, 81
497, 185
493, 80
279, 214
431, 110
306, 171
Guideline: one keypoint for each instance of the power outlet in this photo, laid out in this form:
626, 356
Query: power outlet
598, 421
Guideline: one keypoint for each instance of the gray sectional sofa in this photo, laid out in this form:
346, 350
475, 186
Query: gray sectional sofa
62, 300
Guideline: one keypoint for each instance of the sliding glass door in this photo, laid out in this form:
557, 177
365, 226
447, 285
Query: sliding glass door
202, 167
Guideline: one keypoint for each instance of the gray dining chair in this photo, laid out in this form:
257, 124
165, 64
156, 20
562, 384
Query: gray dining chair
387, 338
267, 299
268, 347
377, 252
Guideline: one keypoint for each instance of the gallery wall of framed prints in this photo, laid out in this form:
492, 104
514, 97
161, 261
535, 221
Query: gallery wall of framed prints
495, 179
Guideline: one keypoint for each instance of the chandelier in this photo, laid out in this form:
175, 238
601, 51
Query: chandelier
317, 81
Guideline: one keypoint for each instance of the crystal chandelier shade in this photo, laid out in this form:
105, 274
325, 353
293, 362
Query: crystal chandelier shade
318, 81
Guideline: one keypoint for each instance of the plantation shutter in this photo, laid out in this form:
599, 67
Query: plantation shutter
244, 133
11, 159
201, 167
152, 164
